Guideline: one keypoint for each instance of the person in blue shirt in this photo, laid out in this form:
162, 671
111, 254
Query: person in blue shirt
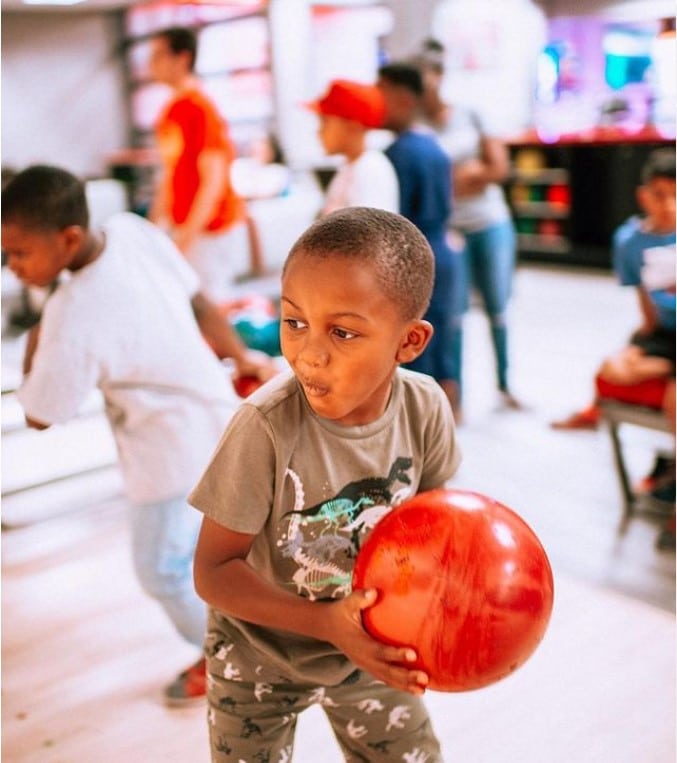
424, 174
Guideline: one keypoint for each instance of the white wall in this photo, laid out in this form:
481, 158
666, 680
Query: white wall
412, 24
491, 53
62, 93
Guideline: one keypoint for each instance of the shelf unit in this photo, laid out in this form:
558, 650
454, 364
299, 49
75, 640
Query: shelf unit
567, 199
540, 200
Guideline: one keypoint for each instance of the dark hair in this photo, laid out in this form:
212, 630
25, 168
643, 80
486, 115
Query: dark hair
403, 75
396, 250
181, 40
45, 198
430, 56
659, 164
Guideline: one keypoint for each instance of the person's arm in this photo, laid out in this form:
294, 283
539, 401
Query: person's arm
647, 310
31, 346
226, 342
256, 262
213, 174
472, 176
159, 210
225, 580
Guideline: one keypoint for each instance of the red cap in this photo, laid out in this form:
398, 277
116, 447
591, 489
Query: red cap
352, 100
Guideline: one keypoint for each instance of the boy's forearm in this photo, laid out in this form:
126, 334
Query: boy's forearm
236, 589
226, 342
222, 337
31, 347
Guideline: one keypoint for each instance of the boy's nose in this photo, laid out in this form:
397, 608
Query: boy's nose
314, 354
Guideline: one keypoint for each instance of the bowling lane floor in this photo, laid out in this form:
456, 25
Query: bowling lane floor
85, 653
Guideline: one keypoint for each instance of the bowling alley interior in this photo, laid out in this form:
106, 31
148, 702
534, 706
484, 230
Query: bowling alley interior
578, 95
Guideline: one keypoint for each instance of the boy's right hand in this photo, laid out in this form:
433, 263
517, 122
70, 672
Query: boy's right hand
384, 662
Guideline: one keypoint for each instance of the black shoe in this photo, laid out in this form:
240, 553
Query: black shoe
666, 537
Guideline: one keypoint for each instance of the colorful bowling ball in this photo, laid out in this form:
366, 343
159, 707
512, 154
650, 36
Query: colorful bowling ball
259, 333
463, 580
255, 320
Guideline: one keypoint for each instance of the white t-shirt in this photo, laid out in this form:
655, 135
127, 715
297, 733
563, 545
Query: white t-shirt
461, 138
368, 181
125, 324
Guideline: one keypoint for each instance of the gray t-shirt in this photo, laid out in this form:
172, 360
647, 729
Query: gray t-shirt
311, 490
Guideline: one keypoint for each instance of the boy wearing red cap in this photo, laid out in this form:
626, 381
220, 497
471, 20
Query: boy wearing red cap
347, 111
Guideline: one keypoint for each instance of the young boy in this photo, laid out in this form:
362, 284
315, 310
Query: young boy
424, 174
305, 469
124, 320
347, 111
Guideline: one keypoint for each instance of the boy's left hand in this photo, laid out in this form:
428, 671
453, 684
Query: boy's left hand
384, 662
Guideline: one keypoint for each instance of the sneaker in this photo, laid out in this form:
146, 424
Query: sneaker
188, 688
588, 418
664, 489
663, 466
666, 537
508, 400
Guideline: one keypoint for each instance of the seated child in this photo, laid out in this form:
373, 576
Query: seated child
644, 251
305, 468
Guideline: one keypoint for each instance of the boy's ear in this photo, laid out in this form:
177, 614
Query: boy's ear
416, 338
72, 237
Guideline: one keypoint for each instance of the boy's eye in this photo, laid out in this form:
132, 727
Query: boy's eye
294, 323
344, 333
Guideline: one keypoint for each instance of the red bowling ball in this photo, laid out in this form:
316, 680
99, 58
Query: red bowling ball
463, 580
245, 385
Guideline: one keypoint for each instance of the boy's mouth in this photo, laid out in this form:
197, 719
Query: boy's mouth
313, 389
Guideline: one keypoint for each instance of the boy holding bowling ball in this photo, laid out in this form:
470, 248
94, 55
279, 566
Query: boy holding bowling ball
303, 472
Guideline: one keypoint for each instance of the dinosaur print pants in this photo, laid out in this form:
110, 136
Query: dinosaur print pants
252, 720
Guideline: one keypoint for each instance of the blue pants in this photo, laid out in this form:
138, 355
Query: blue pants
442, 357
488, 265
164, 535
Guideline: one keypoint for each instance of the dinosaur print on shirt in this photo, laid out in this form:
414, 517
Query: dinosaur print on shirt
324, 539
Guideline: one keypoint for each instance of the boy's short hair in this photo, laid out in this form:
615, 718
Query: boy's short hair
659, 164
181, 40
404, 75
393, 247
45, 198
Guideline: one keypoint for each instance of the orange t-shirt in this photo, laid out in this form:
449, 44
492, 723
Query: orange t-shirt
189, 125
